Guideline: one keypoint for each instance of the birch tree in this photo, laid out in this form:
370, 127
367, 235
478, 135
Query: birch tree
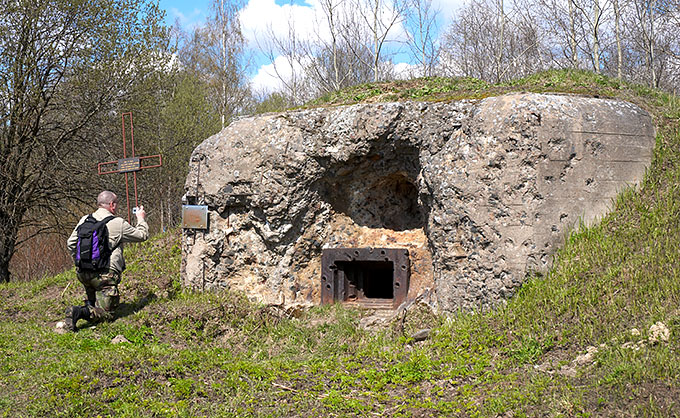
617, 34
217, 52
287, 57
329, 58
380, 18
422, 30
493, 43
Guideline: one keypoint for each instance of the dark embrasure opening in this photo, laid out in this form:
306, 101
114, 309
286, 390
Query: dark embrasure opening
367, 276
368, 279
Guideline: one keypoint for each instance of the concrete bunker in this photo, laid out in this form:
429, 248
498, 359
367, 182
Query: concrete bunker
474, 195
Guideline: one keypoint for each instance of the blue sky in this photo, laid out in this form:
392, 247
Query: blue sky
189, 12
194, 12
260, 17
256, 15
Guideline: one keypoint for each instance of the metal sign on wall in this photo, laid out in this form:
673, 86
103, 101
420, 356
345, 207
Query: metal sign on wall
194, 216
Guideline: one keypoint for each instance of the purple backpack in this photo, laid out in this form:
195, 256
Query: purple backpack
92, 249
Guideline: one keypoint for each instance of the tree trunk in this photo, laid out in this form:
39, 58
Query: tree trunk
597, 12
4, 269
501, 40
652, 6
8, 239
162, 209
376, 53
330, 16
572, 35
617, 31
224, 63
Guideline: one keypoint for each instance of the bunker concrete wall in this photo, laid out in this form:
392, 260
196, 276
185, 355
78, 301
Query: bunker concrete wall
479, 192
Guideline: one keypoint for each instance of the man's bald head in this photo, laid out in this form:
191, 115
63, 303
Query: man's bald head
105, 198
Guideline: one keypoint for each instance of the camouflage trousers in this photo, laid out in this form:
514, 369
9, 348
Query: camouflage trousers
102, 293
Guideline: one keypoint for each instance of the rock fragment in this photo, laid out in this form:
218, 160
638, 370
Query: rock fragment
659, 333
119, 339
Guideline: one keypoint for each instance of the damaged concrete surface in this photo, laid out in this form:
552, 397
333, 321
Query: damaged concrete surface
479, 192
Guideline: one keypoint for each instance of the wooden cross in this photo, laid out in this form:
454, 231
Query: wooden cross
129, 165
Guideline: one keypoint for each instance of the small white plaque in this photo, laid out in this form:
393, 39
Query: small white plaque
194, 217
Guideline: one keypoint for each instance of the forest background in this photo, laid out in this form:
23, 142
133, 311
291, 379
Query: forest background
68, 70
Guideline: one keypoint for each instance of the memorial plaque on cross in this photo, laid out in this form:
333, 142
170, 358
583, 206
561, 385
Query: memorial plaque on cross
132, 164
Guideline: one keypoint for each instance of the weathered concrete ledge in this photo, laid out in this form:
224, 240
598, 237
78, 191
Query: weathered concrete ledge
479, 192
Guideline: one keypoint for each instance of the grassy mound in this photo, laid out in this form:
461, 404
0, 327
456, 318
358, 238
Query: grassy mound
587, 339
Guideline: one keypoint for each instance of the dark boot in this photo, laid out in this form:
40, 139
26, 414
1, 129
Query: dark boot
73, 314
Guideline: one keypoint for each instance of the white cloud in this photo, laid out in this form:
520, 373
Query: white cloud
260, 18
268, 77
405, 71
191, 20
447, 8
266, 81
177, 15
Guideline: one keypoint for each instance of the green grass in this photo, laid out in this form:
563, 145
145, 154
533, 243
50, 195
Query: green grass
217, 354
